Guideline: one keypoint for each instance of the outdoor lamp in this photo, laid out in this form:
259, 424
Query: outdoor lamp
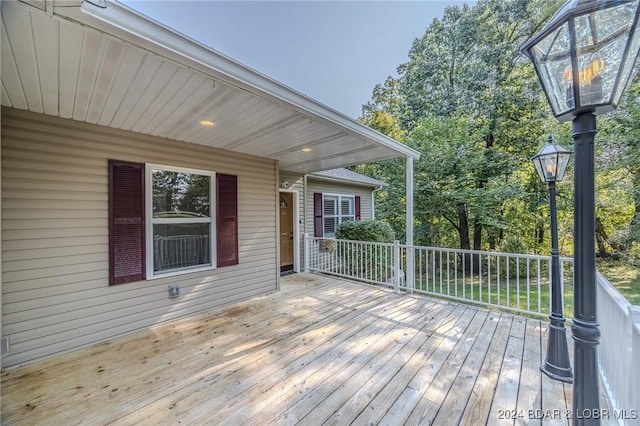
584, 58
551, 163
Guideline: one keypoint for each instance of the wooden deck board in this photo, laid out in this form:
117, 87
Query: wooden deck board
529, 395
479, 404
320, 351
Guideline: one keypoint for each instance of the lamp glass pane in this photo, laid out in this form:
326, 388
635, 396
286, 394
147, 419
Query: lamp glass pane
600, 38
563, 160
539, 169
549, 165
634, 46
551, 58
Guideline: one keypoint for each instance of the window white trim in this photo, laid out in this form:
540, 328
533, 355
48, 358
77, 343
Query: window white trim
339, 215
150, 221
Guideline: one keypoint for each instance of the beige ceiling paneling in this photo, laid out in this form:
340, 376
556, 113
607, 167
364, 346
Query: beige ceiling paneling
59, 67
68, 62
110, 61
130, 63
47, 53
22, 49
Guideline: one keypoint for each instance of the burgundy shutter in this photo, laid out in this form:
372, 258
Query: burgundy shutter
357, 207
227, 219
317, 215
126, 222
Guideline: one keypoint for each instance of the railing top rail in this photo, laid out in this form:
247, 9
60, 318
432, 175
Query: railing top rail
491, 253
615, 295
352, 241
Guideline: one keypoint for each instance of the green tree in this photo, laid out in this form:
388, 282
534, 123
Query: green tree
468, 67
619, 159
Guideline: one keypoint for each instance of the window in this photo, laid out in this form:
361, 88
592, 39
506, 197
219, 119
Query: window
179, 223
165, 220
330, 210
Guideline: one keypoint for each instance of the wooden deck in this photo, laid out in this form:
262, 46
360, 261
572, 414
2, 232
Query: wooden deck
320, 351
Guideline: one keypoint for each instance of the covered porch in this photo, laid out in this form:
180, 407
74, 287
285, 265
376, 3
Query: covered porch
323, 350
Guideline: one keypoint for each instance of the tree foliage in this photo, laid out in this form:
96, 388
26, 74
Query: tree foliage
470, 102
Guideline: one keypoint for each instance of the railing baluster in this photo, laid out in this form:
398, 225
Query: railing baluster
448, 274
471, 273
498, 258
539, 283
433, 269
489, 278
518, 281
480, 276
455, 273
464, 277
508, 265
440, 269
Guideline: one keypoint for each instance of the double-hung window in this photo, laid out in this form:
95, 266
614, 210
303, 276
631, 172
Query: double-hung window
179, 209
166, 220
335, 210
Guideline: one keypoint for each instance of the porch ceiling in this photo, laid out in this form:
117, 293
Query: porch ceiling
113, 67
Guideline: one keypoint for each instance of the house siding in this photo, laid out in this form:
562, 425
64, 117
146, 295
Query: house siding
55, 291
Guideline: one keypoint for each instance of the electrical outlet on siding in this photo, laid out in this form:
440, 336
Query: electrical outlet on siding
174, 291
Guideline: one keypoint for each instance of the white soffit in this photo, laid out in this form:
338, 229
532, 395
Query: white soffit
113, 67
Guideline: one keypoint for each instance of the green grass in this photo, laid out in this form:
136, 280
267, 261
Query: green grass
497, 293
624, 277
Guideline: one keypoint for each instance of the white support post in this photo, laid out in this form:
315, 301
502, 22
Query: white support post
306, 252
410, 272
396, 266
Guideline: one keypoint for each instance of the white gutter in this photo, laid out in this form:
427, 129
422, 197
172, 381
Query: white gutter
122, 22
345, 181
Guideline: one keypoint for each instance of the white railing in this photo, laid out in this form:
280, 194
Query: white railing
619, 350
377, 263
516, 282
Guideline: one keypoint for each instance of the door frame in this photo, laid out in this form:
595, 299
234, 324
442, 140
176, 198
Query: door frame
296, 228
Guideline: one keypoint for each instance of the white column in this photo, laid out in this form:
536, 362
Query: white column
410, 272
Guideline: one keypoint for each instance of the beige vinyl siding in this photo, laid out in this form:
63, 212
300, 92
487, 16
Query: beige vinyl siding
55, 290
327, 187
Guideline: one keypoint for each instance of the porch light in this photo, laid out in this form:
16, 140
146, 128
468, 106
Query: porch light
207, 123
306, 150
584, 58
551, 163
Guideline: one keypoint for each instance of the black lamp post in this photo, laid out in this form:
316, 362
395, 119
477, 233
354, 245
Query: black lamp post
584, 58
551, 163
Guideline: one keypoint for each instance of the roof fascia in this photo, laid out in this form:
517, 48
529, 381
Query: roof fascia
345, 181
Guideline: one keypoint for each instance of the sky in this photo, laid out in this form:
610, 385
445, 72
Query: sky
333, 51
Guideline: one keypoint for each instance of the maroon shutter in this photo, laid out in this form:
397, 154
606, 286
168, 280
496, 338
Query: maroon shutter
126, 222
357, 207
317, 215
227, 219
